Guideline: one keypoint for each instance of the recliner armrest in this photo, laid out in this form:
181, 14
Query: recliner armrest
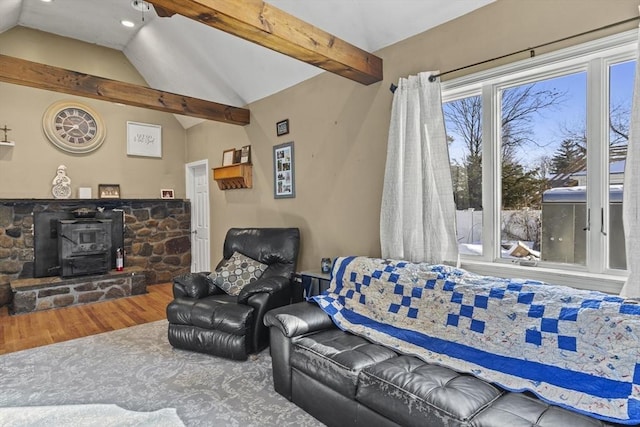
192, 285
298, 319
269, 285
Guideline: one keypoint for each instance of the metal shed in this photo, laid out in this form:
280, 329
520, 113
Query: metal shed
564, 219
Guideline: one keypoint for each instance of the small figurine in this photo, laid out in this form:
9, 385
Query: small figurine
61, 184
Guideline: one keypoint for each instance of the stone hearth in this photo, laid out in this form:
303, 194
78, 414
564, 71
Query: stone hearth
157, 236
44, 293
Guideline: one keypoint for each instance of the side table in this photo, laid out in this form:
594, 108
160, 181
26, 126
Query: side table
314, 282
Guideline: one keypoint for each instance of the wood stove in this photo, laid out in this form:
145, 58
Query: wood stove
88, 245
84, 246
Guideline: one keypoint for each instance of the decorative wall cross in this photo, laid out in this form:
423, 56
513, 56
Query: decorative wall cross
5, 129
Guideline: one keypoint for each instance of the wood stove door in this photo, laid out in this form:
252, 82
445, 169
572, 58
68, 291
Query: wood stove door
84, 246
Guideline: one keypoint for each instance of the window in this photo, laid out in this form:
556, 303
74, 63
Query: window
537, 153
464, 131
543, 148
621, 78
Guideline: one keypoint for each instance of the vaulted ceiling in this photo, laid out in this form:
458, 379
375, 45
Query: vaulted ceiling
182, 56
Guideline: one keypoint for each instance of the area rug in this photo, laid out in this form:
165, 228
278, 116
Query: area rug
138, 370
86, 415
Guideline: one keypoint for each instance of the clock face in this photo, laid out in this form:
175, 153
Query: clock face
73, 127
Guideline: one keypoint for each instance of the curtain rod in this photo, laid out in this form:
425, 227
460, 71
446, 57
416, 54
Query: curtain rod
531, 50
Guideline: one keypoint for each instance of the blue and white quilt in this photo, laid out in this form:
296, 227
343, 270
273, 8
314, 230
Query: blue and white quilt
576, 349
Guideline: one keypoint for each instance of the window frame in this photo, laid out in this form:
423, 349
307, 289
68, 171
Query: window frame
595, 58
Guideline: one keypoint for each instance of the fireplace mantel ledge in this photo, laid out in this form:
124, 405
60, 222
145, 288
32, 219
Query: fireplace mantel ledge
80, 201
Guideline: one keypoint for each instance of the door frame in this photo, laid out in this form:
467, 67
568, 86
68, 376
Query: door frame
190, 169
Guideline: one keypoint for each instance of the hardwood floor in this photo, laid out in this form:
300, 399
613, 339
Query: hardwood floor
47, 327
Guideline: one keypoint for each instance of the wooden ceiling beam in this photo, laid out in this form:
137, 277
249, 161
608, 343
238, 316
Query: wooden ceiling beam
26, 73
268, 26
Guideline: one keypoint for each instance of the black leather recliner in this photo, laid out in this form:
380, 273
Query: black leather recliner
205, 319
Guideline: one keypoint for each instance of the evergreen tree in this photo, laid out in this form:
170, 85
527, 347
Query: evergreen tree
569, 156
521, 188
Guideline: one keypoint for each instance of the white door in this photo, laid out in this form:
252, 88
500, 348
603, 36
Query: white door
198, 193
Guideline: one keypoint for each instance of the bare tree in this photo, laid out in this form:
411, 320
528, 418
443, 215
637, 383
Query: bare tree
571, 156
520, 105
619, 124
619, 115
465, 116
544, 166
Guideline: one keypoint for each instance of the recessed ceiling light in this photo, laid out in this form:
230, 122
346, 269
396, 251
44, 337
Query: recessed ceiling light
46, 1
127, 23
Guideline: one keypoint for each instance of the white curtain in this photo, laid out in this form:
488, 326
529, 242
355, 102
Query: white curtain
417, 218
631, 196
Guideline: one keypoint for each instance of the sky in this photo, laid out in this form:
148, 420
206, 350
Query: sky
571, 112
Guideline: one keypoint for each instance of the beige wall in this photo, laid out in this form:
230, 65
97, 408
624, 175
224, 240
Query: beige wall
338, 156
340, 128
26, 170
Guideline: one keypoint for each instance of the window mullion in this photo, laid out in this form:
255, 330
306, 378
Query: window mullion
491, 171
597, 148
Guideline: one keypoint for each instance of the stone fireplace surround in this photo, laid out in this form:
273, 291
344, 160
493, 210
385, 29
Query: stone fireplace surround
156, 236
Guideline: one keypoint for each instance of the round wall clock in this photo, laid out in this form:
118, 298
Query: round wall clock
73, 127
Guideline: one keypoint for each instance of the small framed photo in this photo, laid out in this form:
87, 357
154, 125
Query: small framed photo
245, 154
284, 185
166, 193
236, 156
228, 156
109, 191
282, 127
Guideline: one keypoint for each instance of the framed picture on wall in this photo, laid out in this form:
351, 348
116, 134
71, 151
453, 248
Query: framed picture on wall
282, 127
144, 139
283, 171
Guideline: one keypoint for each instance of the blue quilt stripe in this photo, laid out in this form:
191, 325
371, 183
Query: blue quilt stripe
533, 371
338, 278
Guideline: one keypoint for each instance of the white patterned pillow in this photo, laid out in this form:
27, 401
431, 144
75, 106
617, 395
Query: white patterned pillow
236, 273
